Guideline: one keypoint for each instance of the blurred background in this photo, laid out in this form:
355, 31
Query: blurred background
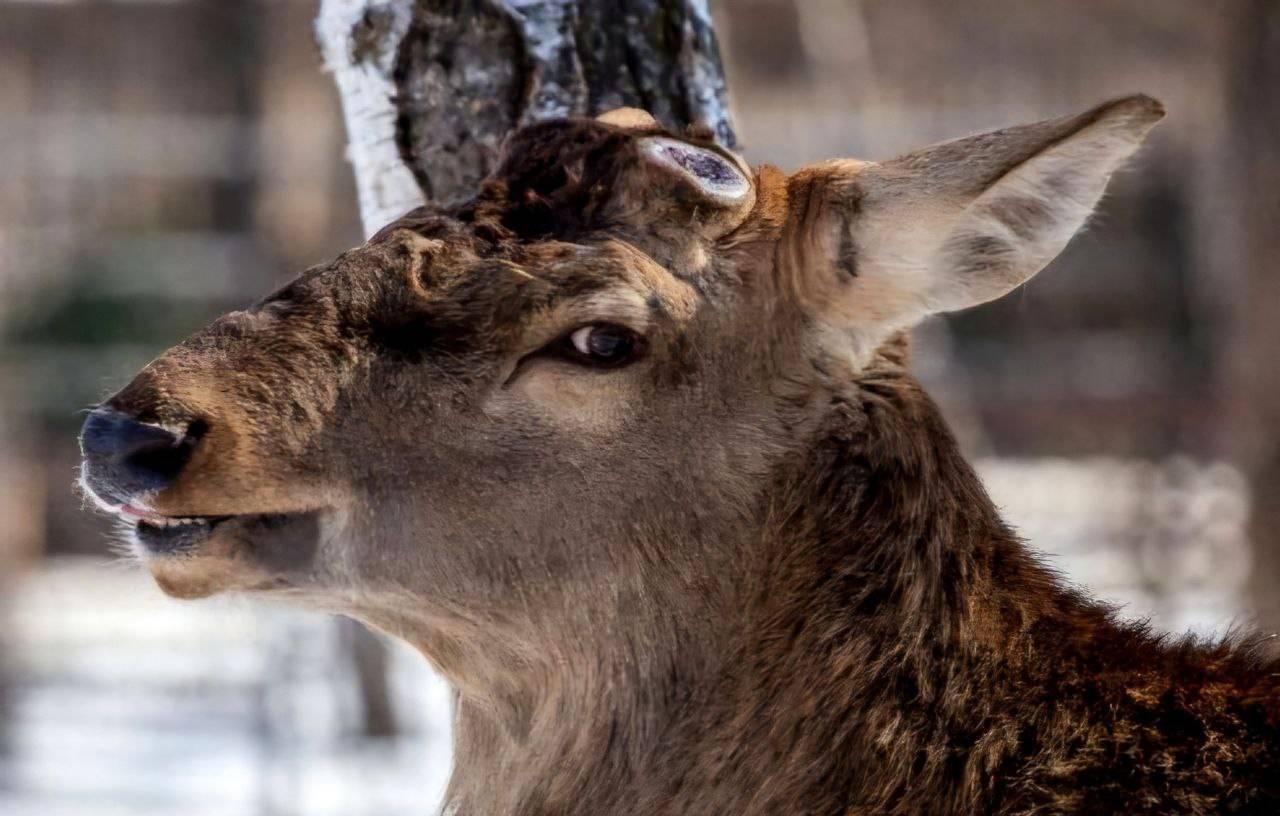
162, 161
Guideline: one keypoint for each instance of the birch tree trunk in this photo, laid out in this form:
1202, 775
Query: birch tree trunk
431, 87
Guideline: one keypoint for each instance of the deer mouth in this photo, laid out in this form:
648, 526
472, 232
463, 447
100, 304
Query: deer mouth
273, 545
163, 535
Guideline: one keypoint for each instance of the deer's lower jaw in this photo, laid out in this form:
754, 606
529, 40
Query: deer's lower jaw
197, 556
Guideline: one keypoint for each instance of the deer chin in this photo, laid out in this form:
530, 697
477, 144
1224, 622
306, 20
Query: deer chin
199, 556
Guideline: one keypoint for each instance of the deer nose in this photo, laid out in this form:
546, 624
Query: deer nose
125, 458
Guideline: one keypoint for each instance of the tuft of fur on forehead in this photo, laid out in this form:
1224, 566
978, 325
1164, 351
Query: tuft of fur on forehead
585, 182
557, 179
553, 182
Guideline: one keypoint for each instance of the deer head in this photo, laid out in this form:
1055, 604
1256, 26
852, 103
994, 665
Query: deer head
549, 422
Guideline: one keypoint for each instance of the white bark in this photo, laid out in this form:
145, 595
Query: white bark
359, 39
700, 59
543, 24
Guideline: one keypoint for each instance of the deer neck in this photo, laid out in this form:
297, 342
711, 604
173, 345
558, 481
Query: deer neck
887, 570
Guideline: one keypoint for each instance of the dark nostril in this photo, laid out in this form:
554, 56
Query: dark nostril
124, 457
162, 461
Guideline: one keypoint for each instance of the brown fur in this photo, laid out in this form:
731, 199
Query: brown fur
750, 573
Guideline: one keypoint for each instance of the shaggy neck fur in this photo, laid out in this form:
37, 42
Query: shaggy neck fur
897, 651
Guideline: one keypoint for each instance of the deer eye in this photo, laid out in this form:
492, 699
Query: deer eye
604, 345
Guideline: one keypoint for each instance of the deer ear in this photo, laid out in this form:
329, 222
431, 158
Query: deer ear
959, 223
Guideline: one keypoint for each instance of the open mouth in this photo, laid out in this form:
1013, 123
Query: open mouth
161, 535
169, 535
198, 556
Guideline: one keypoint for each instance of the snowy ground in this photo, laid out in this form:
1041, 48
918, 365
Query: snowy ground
129, 703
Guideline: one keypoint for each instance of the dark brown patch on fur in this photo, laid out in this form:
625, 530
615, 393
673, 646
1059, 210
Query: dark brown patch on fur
555, 178
561, 179
979, 254
847, 255
1024, 216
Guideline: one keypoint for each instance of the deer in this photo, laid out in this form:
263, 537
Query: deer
628, 448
